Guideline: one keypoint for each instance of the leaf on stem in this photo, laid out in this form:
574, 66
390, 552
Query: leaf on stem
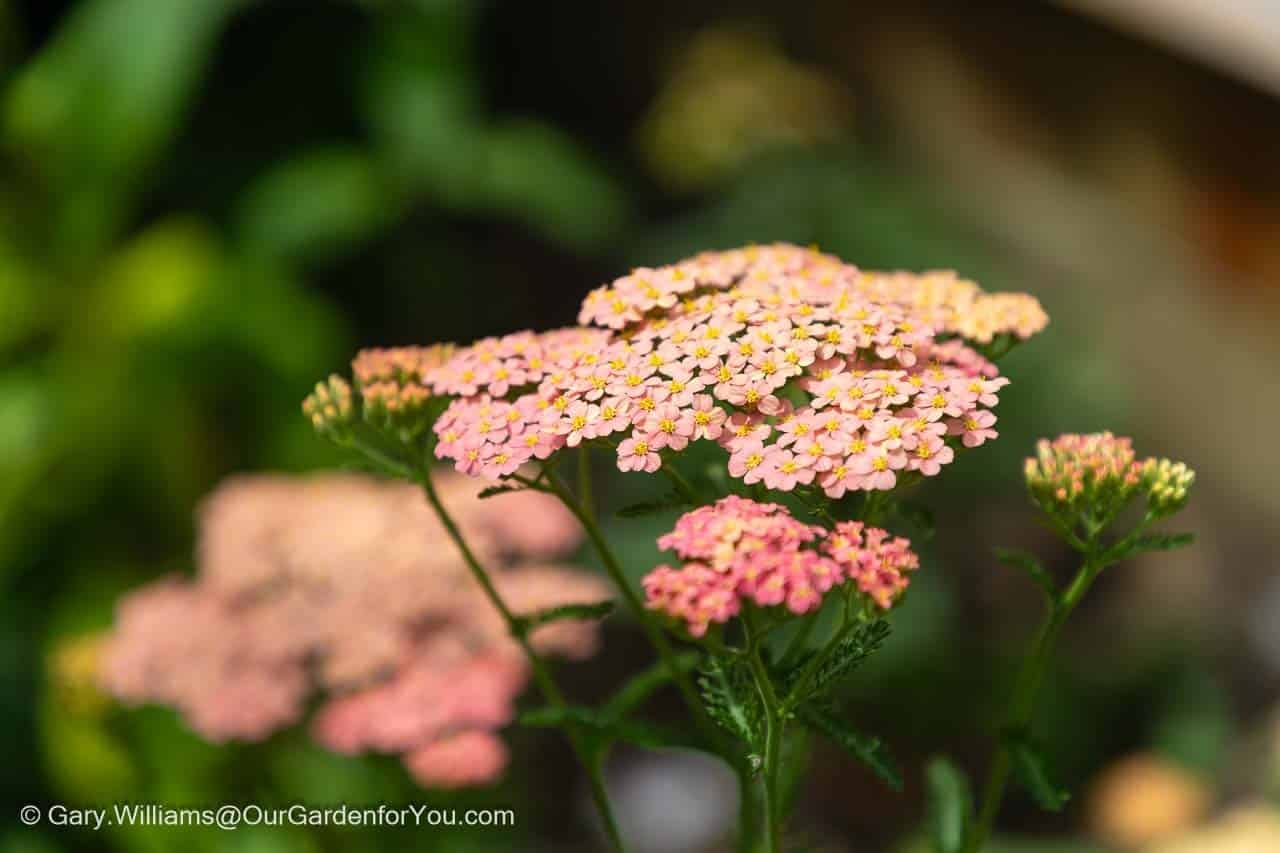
1029, 566
731, 700
1162, 541
870, 750
565, 613
1147, 542
667, 503
604, 728
950, 805
846, 656
494, 491
1031, 770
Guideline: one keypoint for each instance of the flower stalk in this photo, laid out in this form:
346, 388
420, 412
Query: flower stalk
775, 728
1022, 703
541, 673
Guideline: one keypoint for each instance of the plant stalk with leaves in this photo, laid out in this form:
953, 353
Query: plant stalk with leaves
1083, 484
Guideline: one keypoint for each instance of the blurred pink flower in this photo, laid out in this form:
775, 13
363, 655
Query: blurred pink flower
457, 761
349, 585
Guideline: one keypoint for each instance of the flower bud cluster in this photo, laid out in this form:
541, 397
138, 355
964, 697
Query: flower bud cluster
740, 550
1099, 474
329, 407
1168, 484
391, 384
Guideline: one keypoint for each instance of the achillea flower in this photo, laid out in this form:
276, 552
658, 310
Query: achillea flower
390, 382
398, 365
717, 347
329, 406
738, 549
1100, 472
349, 585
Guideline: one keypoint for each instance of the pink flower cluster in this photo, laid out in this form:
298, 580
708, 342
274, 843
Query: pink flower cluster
349, 585
1074, 469
738, 549
954, 305
800, 368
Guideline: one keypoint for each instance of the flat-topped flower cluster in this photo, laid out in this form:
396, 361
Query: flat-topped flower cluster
740, 550
349, 587
805, 369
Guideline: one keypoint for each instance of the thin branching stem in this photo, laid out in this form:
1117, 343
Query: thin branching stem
1022, 703
541, 674
775, 726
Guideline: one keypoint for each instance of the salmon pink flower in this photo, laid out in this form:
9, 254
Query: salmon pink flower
740, 550
636, 454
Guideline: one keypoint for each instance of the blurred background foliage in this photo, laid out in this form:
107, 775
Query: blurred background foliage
206, 205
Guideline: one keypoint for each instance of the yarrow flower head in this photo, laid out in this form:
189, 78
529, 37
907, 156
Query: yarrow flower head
1099, 472
348, 586
803, 368
740, 550
329, 406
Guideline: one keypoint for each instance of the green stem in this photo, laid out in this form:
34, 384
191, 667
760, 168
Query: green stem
775, 725
654, 634
541, 674
1023, 701
812, 667
800, 640
584, 480
681, 679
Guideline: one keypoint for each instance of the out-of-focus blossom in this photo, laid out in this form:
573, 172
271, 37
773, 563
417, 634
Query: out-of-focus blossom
740, 550
818, 373
1101, 472
1145, 798
1167, 484
1244, 830
730, 95
459, 760
350, 585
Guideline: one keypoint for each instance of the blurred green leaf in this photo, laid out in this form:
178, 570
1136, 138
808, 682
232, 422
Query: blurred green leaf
1031, 770
538, 174
315, 205
605, 728
1031, 567
871, 751
950, 805
102, 100
154, 280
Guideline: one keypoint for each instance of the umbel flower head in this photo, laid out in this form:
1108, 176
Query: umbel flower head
1100, 473
390, 390
740, 550
349, 586
803, 368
